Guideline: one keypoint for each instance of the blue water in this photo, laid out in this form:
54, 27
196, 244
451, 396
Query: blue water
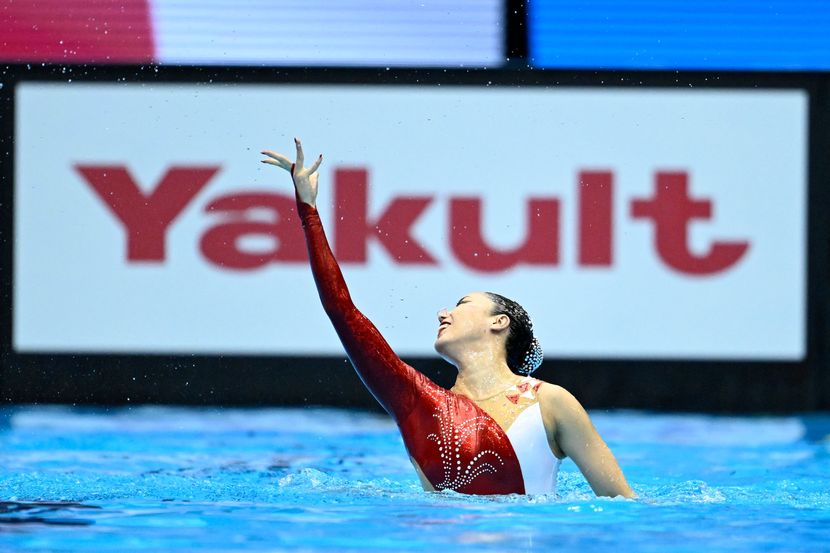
162, 479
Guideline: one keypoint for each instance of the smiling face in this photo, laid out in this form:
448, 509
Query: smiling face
467, 324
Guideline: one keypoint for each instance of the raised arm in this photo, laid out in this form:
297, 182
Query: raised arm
394, 384
576, 436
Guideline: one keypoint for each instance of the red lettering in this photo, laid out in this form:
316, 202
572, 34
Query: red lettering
595, 218
540, 247
220, 244
146, 218
671, 209
392, 229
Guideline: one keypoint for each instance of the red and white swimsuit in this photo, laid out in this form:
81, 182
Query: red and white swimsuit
456, 445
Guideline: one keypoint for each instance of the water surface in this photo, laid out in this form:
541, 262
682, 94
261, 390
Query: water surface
195, 479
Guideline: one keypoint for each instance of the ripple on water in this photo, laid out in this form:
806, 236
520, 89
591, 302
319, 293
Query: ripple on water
323, 480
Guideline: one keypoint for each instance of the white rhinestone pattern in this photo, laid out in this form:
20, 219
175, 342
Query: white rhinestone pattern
449, 440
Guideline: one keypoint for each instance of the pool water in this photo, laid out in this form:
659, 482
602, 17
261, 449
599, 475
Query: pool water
162, 479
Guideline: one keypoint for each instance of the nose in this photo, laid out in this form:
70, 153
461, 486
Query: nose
443, 314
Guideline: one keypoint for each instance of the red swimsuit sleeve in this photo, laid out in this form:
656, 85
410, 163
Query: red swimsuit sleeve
395, 385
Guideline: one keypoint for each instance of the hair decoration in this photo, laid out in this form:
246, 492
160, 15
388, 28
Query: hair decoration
533, 357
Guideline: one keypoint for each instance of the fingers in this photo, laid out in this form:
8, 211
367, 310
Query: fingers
300, 159
280, 159
317, 163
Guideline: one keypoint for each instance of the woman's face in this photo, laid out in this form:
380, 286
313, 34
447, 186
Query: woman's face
470, 320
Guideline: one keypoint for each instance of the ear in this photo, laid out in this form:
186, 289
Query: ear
500, 322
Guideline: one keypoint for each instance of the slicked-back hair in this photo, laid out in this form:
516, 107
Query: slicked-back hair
519, 333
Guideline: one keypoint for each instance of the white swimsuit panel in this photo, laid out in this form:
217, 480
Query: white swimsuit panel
530, 442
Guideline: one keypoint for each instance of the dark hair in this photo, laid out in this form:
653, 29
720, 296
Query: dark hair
524, 354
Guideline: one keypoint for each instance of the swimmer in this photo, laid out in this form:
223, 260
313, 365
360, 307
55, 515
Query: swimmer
498, 430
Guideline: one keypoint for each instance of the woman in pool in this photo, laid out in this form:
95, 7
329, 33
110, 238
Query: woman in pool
497, 431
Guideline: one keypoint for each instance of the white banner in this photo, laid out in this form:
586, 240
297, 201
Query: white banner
631, 223
426, 33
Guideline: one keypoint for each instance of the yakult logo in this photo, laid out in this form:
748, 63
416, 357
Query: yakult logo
146, 219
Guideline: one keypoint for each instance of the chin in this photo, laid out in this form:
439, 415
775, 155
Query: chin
441, 350
440, 345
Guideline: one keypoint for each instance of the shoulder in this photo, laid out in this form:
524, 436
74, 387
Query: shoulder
553, 395
557, 403
553, 400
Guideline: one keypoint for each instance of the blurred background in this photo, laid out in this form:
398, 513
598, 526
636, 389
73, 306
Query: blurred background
649, 179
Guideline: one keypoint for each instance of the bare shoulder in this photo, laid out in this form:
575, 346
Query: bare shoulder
559, 407
553, 397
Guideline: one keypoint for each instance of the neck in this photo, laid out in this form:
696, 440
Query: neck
482, 374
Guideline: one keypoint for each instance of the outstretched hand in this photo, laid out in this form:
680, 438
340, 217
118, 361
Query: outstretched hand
305, 179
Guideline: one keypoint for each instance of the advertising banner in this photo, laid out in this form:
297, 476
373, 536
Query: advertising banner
631, 223
426, 33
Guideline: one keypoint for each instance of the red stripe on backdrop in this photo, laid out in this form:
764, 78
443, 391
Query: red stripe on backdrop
76, 31
596, 212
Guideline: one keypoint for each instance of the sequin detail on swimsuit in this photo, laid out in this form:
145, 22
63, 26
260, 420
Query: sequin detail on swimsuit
453, 435
525, 389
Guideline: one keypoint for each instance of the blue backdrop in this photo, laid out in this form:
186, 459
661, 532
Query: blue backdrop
680, 34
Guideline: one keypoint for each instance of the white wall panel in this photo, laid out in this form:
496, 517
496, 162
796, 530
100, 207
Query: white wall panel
743, 151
